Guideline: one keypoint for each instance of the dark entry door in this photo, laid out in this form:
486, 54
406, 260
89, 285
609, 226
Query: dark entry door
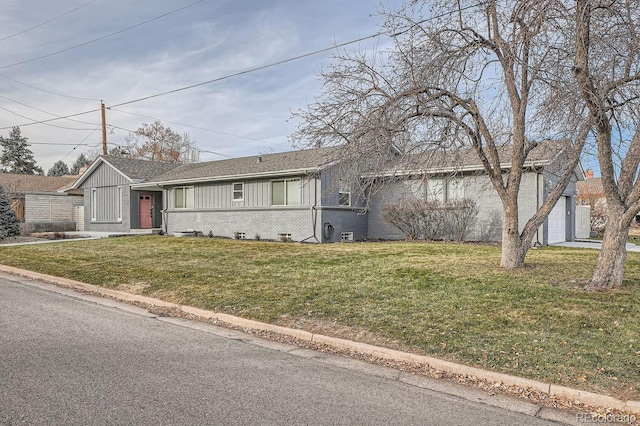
146, 207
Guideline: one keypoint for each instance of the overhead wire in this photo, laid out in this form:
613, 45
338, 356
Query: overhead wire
82, 143
47, 21
47, 91
244, 72
251, 70
46, 112
47, 124
195, 127
103, 37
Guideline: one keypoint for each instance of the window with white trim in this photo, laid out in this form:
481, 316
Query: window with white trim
119, 204
238, 191
94, 204
286, 192
346, 236
344, 198
284, 236
184, 197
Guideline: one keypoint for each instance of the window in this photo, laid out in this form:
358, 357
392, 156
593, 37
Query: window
445, 190
284, 236
238, 191
286, 192
346, 236
435, 190
94, 204
119, 207
344, 198
455, 189
184, 198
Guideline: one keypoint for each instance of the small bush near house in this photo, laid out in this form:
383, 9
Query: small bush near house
9, 225
457, 217
431, 220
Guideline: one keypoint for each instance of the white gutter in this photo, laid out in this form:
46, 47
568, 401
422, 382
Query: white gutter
452, 169
277, 173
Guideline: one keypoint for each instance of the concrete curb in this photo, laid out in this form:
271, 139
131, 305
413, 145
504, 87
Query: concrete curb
584, 397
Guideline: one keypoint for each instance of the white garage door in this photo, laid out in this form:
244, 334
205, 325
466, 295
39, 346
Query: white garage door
557, 220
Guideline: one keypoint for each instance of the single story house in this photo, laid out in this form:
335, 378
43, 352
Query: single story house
291, 196
42, 203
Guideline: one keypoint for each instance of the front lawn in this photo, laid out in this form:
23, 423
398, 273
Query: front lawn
451, 301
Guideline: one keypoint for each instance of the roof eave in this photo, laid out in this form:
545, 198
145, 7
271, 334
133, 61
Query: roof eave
471, 168
279, 173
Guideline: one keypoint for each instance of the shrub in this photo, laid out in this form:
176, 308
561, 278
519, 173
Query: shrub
431, 220
9, 225
459, 215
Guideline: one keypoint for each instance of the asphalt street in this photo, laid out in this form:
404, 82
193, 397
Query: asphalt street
73, 359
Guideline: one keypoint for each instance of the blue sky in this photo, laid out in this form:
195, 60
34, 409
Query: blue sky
239, 116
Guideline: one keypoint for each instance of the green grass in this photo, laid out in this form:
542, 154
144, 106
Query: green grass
452, 301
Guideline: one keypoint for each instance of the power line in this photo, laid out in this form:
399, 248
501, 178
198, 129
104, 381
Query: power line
62, 144
250, 70
197, 128
101, 38
29, 118
52, 119
47, 21
46, 112
47, 91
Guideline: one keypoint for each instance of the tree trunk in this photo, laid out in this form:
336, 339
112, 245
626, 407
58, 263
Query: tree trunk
514, 249
610, 265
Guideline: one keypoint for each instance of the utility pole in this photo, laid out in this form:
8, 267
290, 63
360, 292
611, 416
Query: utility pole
104, 129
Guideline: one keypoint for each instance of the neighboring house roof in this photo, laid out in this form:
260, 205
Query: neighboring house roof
20, 184
135, 171
279, 164
590, 187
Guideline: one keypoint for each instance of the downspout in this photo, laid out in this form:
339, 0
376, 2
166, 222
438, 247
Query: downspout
538, 175
163, 212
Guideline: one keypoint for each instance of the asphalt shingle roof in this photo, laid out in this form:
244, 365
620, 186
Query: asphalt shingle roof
19, 184
256, 164
544, 152
139, 170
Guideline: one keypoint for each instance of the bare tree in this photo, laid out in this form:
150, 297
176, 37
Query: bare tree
607, 69
156, 142
485, 75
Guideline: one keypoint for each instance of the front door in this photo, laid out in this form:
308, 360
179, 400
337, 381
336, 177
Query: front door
146, 211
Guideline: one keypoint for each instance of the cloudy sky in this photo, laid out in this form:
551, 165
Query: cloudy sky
59, 59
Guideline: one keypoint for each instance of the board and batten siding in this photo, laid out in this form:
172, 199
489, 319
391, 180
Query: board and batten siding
257, 193
106, 200
104, 176
108, 204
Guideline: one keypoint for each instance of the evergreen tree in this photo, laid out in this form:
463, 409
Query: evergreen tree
9, 225
60, 168
16, 156
80, 162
